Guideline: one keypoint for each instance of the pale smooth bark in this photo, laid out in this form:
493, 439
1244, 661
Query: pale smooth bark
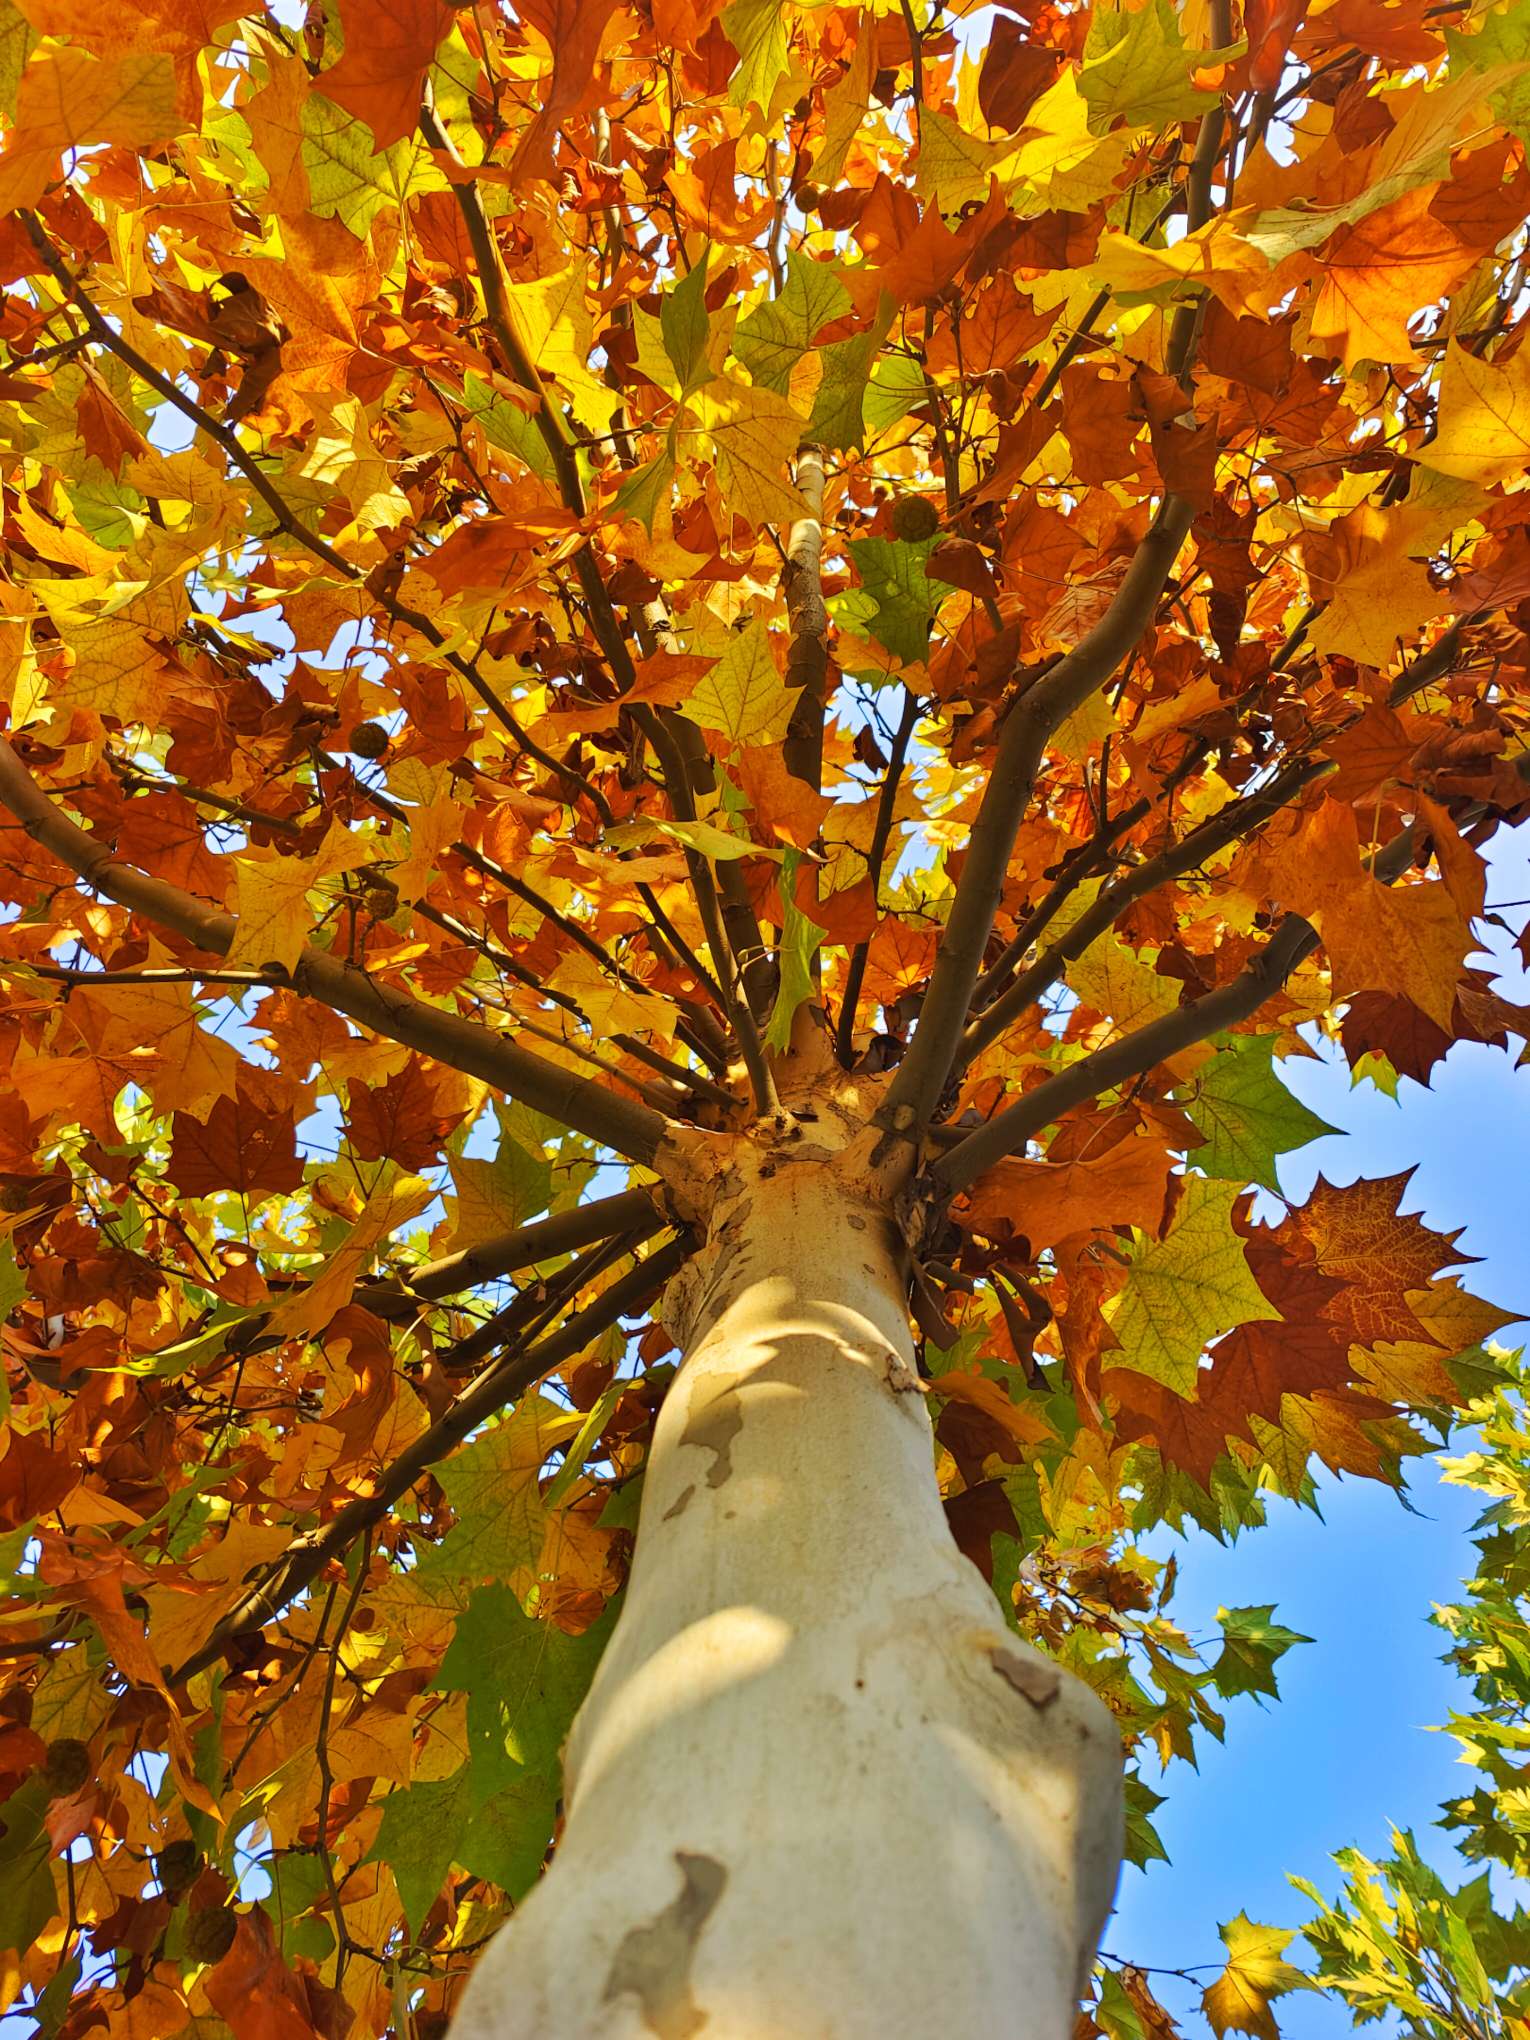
817, 1788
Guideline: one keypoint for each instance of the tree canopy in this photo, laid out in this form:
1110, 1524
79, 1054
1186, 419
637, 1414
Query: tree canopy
563, 562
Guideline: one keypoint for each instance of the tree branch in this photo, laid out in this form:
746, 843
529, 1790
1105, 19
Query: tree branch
1135, 1054
807, 664
509, 1376
631, 1128
632, 1212
916, 1089
881, 831
1008, 1131
1238, 819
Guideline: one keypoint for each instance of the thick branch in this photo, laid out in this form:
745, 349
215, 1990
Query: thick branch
1238, 819
1135, 1054
881, 830
1008, 1131
631, 1128
916, 1089
509, 1376
807, 664
632, 1212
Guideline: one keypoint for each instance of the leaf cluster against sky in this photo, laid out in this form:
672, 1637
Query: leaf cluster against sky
543, 548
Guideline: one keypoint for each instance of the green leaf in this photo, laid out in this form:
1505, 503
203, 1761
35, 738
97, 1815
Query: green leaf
839, 405
800, 938
757, 30
499, 1834
684, 323
1142, 1843
1501, 39
494, 1817
1186, 1290
573, 1460
646, 489
492, 1487
775, 336
1136, 68
1246, 1113
506, 425
28, 1900
524, 1680
1251, 1642
348, 179
495, 1197
897, 386
905, 599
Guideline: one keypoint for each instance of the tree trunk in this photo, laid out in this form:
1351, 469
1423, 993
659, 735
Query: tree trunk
817, 1788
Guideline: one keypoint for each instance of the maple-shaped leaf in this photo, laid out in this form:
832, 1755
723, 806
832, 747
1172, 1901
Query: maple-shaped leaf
1239, 2000
389, 46
492, 1486
1484, 433
1185, 1290
1251, 1642
1247, 1114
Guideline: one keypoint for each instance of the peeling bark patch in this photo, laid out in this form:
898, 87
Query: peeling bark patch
715, 1428
678, 1506
901, 1378
1040, 1684
653, 1963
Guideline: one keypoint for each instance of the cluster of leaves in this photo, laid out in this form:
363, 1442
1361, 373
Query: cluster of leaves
541, 545
1398, 1939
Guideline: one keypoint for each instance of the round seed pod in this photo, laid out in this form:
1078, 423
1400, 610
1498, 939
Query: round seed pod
915, 518
368, 740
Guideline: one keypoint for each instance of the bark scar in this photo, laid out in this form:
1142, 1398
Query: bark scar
653, 1962
1038, 1683
901, 1378
714, 1427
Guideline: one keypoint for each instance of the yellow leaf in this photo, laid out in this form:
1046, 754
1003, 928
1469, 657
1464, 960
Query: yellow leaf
392, 1204
846, 104
954, 166
272, 898
69, 98
1186, 1290
1484, 433
553, 316
1239, 2000
1114, 980
743, 695
754, 434
1060, 166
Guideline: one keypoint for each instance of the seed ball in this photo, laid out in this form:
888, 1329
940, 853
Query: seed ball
915, 518
369, 740
210, 1934
176, 1865
66, 1766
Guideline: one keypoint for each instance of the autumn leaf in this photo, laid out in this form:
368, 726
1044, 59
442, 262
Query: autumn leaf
1248, 1115
1186, 1289
1239, 2000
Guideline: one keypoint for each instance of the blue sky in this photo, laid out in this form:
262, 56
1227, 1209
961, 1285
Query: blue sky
1347, 1750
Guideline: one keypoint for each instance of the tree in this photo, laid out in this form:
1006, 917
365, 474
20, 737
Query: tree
1398, 1939
765, 656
